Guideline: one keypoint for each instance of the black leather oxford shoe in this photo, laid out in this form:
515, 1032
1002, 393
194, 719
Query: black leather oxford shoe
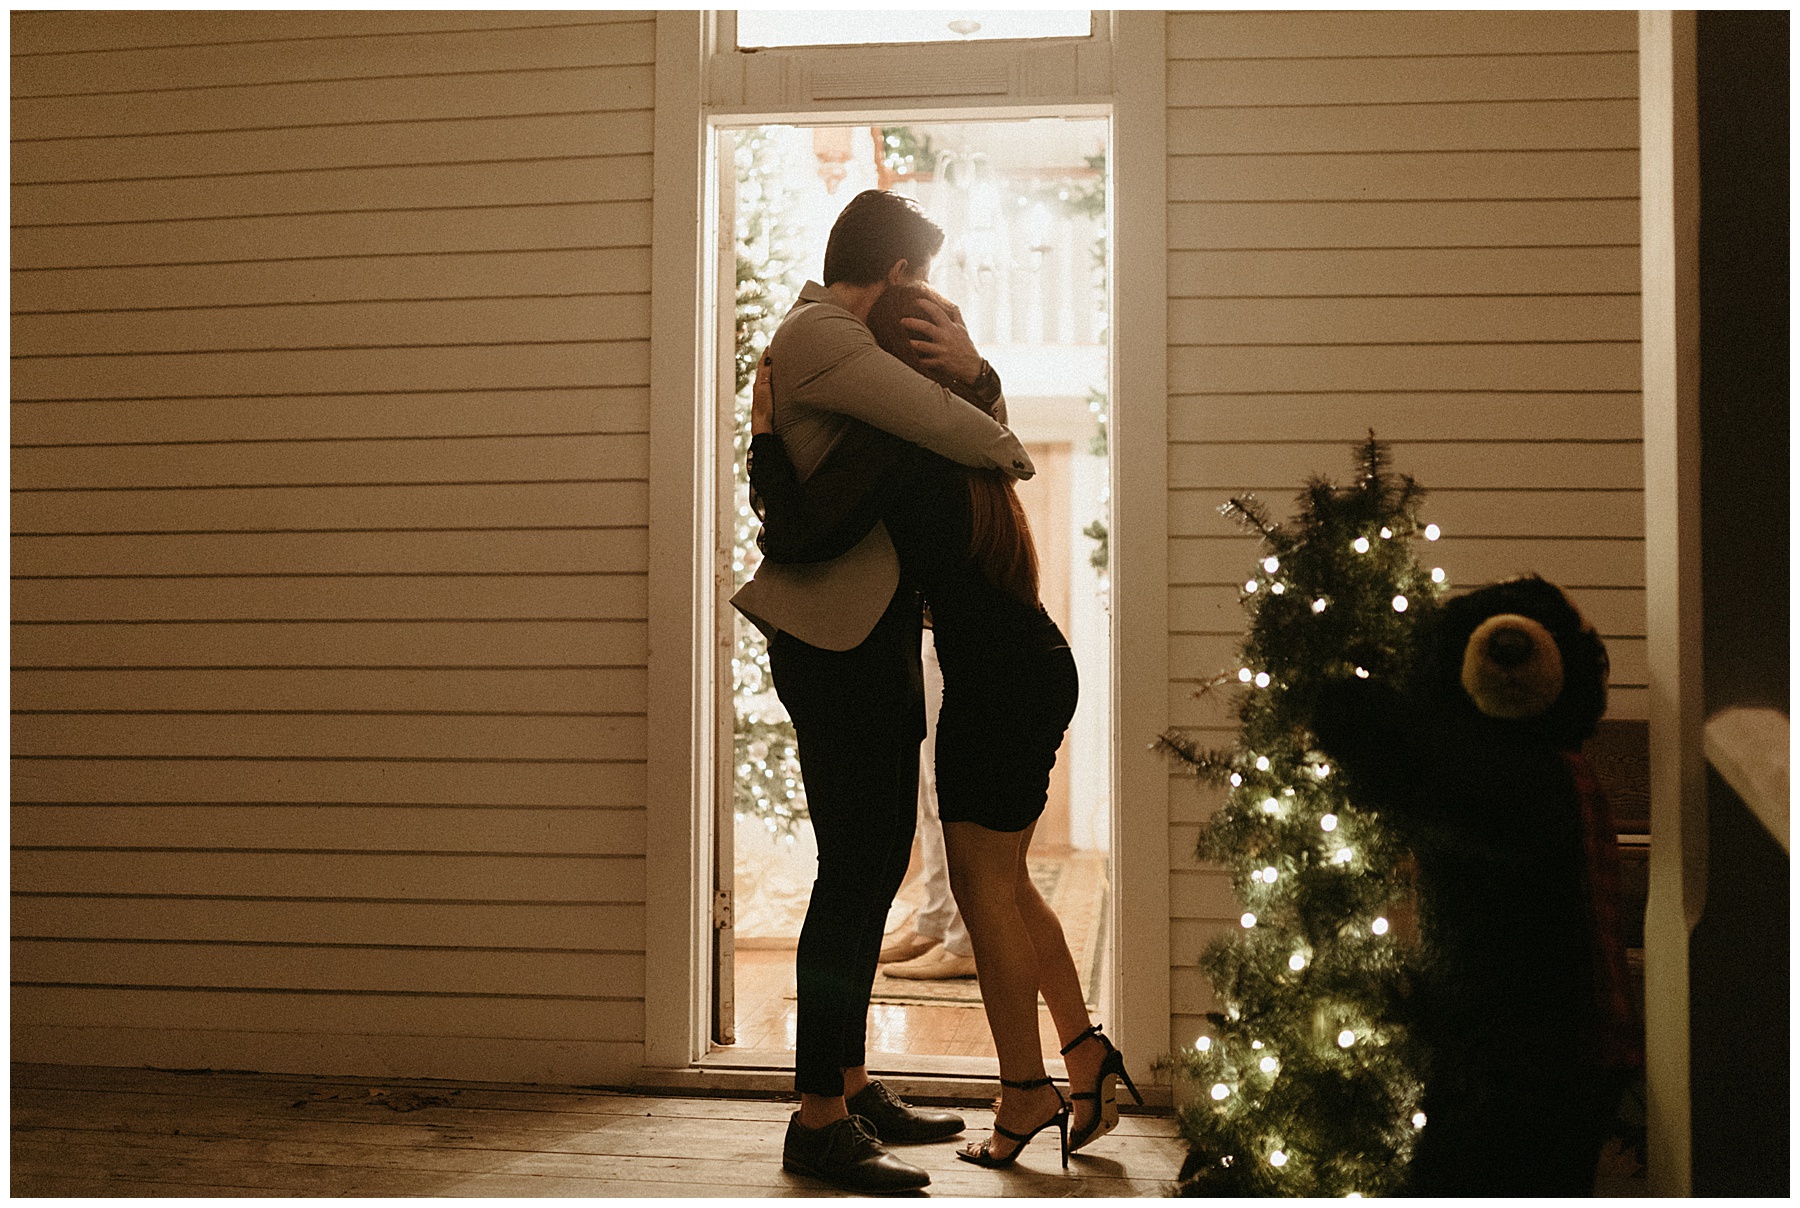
846, 1154
897, 1122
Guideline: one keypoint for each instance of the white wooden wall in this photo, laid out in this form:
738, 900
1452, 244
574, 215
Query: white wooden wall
1420, 222
330, 461
331, 399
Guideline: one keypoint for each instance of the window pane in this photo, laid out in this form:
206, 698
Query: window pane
820, 27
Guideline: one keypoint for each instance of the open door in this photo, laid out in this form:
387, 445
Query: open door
724, 862
1023, 204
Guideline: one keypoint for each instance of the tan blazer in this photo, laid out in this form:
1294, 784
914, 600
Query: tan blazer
828, 371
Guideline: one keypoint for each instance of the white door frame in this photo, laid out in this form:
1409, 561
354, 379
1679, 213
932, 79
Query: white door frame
683, 578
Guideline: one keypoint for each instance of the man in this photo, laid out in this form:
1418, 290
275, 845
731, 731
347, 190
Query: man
844, 638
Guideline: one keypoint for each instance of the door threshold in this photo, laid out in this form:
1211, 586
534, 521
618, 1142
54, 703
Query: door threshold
882, 1065
943, 1081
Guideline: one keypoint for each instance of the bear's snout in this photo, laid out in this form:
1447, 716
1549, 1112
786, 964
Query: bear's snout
1512, 667
1509, 647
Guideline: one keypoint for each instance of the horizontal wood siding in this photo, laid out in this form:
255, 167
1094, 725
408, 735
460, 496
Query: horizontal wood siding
330, 423
1423, 223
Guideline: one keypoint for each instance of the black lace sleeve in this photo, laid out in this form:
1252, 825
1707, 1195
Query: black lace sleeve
832, 510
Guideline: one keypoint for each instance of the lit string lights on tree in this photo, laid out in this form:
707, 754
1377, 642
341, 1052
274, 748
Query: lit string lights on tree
1310, 1086
767, 762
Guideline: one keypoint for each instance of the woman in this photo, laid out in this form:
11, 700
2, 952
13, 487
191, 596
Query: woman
1009, 692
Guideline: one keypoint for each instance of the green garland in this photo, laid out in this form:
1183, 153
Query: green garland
767, 785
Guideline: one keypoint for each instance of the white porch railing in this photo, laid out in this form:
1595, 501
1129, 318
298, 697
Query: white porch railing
1749, 747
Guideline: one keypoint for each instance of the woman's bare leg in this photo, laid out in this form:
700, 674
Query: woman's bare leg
984, 877
1059, 982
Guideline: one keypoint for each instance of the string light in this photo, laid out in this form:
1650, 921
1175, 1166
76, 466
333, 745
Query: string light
1437, 574
1322, 770
1262, 679
1432, 532
1256, 1044
1386, 532
1248, 921
1204, 1044
1245, 675
1319, 605
1328, 823
1268, 1065
1271, 564
1346, 1038
1344, 855
1276, 589
1236, 780
1262, 763
1379, 926
1360, 545
1250, 585
1362, 673
1418, 1120
1399, 603
1271, 806
1278, 1159
1221, 1091
1296, 962
1269, 874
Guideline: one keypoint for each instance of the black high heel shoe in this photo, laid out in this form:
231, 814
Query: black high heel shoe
1105, 1092
982, 1156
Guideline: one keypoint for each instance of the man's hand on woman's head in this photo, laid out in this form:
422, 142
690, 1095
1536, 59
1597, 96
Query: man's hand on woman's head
943, 342
762, 399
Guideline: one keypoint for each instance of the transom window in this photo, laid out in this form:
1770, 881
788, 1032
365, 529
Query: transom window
767, 28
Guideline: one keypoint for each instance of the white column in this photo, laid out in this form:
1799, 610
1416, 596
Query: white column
1671, 214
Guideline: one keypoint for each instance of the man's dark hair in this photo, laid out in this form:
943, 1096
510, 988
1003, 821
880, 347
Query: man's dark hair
874, 231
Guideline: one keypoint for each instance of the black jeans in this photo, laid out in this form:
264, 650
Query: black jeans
859, 716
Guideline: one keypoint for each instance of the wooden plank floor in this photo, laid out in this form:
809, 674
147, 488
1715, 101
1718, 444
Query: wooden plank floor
89, 1131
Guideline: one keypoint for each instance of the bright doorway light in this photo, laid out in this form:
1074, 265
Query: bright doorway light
1024, 210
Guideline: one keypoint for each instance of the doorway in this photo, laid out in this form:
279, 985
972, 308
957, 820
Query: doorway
1025, 212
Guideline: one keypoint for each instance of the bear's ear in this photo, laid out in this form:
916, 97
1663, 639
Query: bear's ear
1512, 668
1586, 671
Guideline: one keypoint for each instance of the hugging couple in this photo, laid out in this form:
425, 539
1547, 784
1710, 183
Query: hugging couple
881, 467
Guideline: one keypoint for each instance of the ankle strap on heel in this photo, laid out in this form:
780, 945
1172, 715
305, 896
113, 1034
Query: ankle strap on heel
1093, 1030
1030, 1084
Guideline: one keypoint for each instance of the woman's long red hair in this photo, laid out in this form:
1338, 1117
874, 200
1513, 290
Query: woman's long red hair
1000, 536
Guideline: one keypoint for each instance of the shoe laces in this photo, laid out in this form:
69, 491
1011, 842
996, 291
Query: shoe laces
879, 1091
856, 1137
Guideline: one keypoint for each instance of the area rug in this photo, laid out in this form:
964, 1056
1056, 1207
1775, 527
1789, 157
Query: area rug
1076, 888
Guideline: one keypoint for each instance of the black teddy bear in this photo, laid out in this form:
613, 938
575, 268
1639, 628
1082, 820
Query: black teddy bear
1521, 1002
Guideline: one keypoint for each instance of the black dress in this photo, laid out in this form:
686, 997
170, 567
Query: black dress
1010, 682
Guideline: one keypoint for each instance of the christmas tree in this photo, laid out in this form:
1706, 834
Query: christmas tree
1307, 1083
